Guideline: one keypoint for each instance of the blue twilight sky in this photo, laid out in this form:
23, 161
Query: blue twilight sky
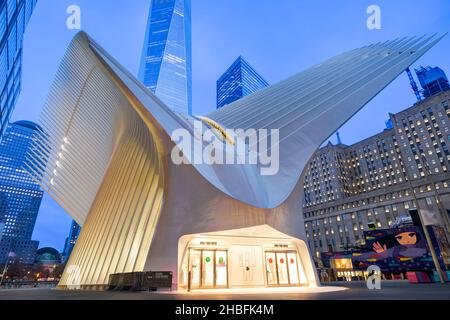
279, 38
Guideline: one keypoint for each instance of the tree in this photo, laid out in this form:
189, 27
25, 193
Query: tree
40, 271
58, 271
16, 270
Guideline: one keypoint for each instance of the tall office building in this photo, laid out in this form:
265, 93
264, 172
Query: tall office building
166, 63
240, 80
432, 80
14, 16
75, 230
347, 188
20, 195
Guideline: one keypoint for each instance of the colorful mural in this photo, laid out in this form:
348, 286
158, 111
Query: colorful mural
396, 250
403, 248
441, 244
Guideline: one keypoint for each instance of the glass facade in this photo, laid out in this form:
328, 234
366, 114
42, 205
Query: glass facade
14, 16
238, 81
166, 64
75, 230
20, 195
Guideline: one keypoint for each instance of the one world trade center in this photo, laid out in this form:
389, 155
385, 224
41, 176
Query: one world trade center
166, 63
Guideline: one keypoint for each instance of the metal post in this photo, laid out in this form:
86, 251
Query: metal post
5, 269
443, 214
437, 265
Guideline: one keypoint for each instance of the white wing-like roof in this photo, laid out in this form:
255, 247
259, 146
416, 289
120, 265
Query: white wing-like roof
306, 108
310, 106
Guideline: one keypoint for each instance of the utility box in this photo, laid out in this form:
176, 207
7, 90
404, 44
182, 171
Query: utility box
140, 281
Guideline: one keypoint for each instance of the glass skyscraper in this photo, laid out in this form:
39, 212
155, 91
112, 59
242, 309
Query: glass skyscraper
20, 195
14, 17
166, 66
75, 230
240, 80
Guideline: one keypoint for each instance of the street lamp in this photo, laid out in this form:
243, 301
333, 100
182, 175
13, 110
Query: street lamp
444, 216
5, 269
437, 265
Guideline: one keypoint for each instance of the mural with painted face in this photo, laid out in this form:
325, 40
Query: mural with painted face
406, 238
394, 248
399, 249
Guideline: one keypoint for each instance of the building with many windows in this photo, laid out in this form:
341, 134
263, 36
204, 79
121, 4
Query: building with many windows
14, 17
20, 195
166, 63
71, 240
348, 188
240, 80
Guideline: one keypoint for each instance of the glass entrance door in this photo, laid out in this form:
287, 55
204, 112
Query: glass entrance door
196, 268
271, 267
282, 268
283, 275
293, 268
209, 269
221, 269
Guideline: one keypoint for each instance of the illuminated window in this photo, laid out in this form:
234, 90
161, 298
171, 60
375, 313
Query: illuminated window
343, 263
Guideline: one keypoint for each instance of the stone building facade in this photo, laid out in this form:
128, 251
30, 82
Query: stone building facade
348, 188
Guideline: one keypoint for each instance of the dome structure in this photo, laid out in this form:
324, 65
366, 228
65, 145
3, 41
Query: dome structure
48, 256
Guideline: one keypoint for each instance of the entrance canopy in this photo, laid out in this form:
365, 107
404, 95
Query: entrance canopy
258, 256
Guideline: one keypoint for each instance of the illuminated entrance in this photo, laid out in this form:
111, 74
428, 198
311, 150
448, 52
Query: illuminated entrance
282, 268
243, 258
209, 269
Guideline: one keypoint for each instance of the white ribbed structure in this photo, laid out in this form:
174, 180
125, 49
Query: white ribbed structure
107, 141
307, 108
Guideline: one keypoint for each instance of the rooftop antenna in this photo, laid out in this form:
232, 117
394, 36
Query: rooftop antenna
413, 84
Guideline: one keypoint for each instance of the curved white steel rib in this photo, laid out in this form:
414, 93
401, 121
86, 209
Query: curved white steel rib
307, 108
106, 140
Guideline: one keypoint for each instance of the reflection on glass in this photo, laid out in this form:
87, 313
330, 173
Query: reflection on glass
272, 278
221, 269
283, 277
195, 268
293, 268
166, 64
208, 269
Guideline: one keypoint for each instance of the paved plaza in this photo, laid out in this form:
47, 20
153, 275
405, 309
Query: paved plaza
391, 290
